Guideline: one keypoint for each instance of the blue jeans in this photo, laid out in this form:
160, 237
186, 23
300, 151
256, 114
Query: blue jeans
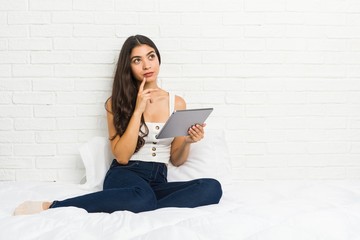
142, 186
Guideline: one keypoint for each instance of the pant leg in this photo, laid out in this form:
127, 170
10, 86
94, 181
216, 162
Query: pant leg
195, 193
123, 190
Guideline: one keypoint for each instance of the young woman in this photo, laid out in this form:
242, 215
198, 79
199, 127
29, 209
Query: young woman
136, 111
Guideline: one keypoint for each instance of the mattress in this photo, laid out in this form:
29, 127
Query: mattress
310, 210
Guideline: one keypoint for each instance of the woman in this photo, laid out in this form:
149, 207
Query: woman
136, 111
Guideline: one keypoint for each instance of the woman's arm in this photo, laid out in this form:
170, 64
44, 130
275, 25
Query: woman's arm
123, 147
180, 146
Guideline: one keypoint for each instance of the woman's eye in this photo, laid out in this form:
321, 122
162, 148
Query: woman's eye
136, 61
152, 56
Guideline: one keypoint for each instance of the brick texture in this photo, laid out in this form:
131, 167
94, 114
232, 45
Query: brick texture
283, 77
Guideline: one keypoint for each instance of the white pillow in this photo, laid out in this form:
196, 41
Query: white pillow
97, 157
207, 158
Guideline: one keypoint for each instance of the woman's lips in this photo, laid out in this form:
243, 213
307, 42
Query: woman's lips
147, 75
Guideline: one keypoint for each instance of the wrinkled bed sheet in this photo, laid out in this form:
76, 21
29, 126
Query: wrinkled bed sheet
306, 210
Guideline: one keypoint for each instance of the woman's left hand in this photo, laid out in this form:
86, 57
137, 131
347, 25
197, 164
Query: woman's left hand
196, 133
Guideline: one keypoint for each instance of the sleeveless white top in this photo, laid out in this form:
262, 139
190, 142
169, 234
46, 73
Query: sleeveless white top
156, 150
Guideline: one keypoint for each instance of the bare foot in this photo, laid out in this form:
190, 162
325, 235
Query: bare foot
31, 207
46, 205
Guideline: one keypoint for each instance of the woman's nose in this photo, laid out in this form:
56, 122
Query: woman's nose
146, 65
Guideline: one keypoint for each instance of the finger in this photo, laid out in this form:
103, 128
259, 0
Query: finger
194, 133
141, 88
150, 90
198, 129
148, 93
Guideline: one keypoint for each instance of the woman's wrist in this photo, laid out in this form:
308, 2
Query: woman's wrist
189, 140
137, 113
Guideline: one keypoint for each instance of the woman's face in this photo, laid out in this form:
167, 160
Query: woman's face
144, 63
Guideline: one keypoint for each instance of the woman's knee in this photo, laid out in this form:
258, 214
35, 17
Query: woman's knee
212, 189
144, 201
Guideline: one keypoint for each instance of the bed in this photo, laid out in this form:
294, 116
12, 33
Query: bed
251, 210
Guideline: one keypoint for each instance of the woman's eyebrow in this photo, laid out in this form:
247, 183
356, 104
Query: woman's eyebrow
151, 52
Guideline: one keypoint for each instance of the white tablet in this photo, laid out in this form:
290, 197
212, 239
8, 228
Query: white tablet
180, 121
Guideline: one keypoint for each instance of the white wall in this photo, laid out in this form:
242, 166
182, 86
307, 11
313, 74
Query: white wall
283, 76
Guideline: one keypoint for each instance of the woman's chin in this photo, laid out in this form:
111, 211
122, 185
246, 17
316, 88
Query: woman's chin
150, 79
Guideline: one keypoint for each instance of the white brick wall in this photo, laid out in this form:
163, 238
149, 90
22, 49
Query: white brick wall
283, 77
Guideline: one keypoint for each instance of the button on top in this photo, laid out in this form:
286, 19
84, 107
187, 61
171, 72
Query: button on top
157, 127
154, 148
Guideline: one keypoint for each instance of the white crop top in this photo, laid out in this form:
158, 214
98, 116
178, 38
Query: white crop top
156, 150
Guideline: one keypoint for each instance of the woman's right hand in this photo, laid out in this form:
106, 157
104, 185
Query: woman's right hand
143, 97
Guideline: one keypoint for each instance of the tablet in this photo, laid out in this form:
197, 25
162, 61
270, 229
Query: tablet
180, 121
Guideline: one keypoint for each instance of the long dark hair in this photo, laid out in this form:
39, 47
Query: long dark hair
125, 89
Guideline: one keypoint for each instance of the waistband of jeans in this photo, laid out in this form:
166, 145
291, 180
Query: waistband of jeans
148, 162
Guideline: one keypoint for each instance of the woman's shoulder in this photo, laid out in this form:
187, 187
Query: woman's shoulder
108, 105
180, 103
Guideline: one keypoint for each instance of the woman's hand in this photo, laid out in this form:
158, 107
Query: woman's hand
196, 133
143, 97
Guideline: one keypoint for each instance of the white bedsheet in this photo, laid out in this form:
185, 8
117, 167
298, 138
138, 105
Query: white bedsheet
306, 210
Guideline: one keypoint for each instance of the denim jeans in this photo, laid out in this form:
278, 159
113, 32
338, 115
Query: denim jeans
142, 186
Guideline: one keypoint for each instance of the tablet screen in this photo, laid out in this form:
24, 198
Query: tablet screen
180, 121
